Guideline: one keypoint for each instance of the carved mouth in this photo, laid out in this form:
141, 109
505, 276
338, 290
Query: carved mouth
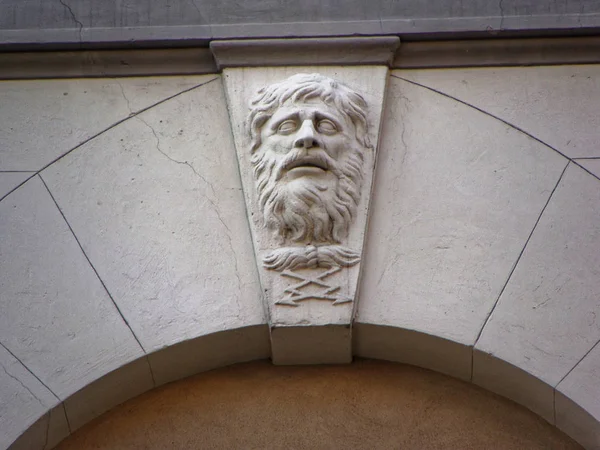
308, 162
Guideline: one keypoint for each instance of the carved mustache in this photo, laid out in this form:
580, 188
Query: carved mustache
297, 158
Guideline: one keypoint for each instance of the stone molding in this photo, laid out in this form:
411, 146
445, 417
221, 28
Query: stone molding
316, 51
375, 50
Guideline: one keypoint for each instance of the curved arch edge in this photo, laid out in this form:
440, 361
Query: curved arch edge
250, 343
482, 369
169, 364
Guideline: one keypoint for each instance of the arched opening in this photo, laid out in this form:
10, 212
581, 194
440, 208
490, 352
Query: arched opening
366, 404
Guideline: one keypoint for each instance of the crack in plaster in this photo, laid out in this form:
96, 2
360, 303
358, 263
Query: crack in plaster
22, 385
100, 133
30, 371
124, 96
79, 24
212, 201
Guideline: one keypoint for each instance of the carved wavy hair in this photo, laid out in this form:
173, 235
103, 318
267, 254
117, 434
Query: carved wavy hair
309, 212
302, 87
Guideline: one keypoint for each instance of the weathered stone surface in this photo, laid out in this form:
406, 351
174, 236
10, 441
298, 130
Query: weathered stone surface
494, 374
56, 316
104, 393
456, 195
578, 401
140, 23
45, 433
157, 205
545, 320
363, 50
557, 104
10, 180
210, 352
43, 119
593, 165
23, 399
412, 347
307, 190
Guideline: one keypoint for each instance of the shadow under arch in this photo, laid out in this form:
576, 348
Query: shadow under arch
379, 342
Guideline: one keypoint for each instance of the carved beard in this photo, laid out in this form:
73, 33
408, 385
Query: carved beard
308, 210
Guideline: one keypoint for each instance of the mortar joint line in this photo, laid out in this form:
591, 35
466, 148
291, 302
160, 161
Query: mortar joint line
30, 371
92, 266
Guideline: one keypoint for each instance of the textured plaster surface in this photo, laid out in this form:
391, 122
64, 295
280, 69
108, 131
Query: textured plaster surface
10, 180
557, 104
546, 318
43, 120
363, 405
157, 206
456, 195
470, 217
512, 382
578, 400
23, 399
412, 347
209, 352
57, 318
593, 165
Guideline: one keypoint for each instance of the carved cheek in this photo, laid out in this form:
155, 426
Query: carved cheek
336, 145
279, 144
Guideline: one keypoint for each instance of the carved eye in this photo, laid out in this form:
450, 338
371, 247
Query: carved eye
326, 126
287, 127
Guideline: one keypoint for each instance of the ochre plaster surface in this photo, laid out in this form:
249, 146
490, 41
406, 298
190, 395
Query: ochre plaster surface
367, 404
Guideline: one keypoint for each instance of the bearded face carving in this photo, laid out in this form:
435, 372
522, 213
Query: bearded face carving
309, 136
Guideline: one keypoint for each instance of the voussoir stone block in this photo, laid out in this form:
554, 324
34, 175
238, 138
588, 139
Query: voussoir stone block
56, 316
43, 119
156, 203
578, 401
23, 400
446, 226
545, 320
557, 104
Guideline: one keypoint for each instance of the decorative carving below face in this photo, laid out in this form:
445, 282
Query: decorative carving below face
309, 135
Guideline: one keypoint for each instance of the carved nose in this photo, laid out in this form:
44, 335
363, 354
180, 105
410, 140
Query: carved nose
306, 136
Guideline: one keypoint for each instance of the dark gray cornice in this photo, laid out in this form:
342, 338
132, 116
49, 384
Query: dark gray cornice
105, 24
383, 50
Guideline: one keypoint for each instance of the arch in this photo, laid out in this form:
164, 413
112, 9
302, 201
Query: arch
378, 342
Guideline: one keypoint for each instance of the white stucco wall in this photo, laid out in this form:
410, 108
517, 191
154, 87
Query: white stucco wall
126, 259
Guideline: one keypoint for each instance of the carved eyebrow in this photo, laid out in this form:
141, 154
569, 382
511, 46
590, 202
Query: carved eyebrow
292, 116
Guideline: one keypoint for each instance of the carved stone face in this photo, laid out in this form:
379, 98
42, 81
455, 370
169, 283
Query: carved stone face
308, 140
313, 181
308, 160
